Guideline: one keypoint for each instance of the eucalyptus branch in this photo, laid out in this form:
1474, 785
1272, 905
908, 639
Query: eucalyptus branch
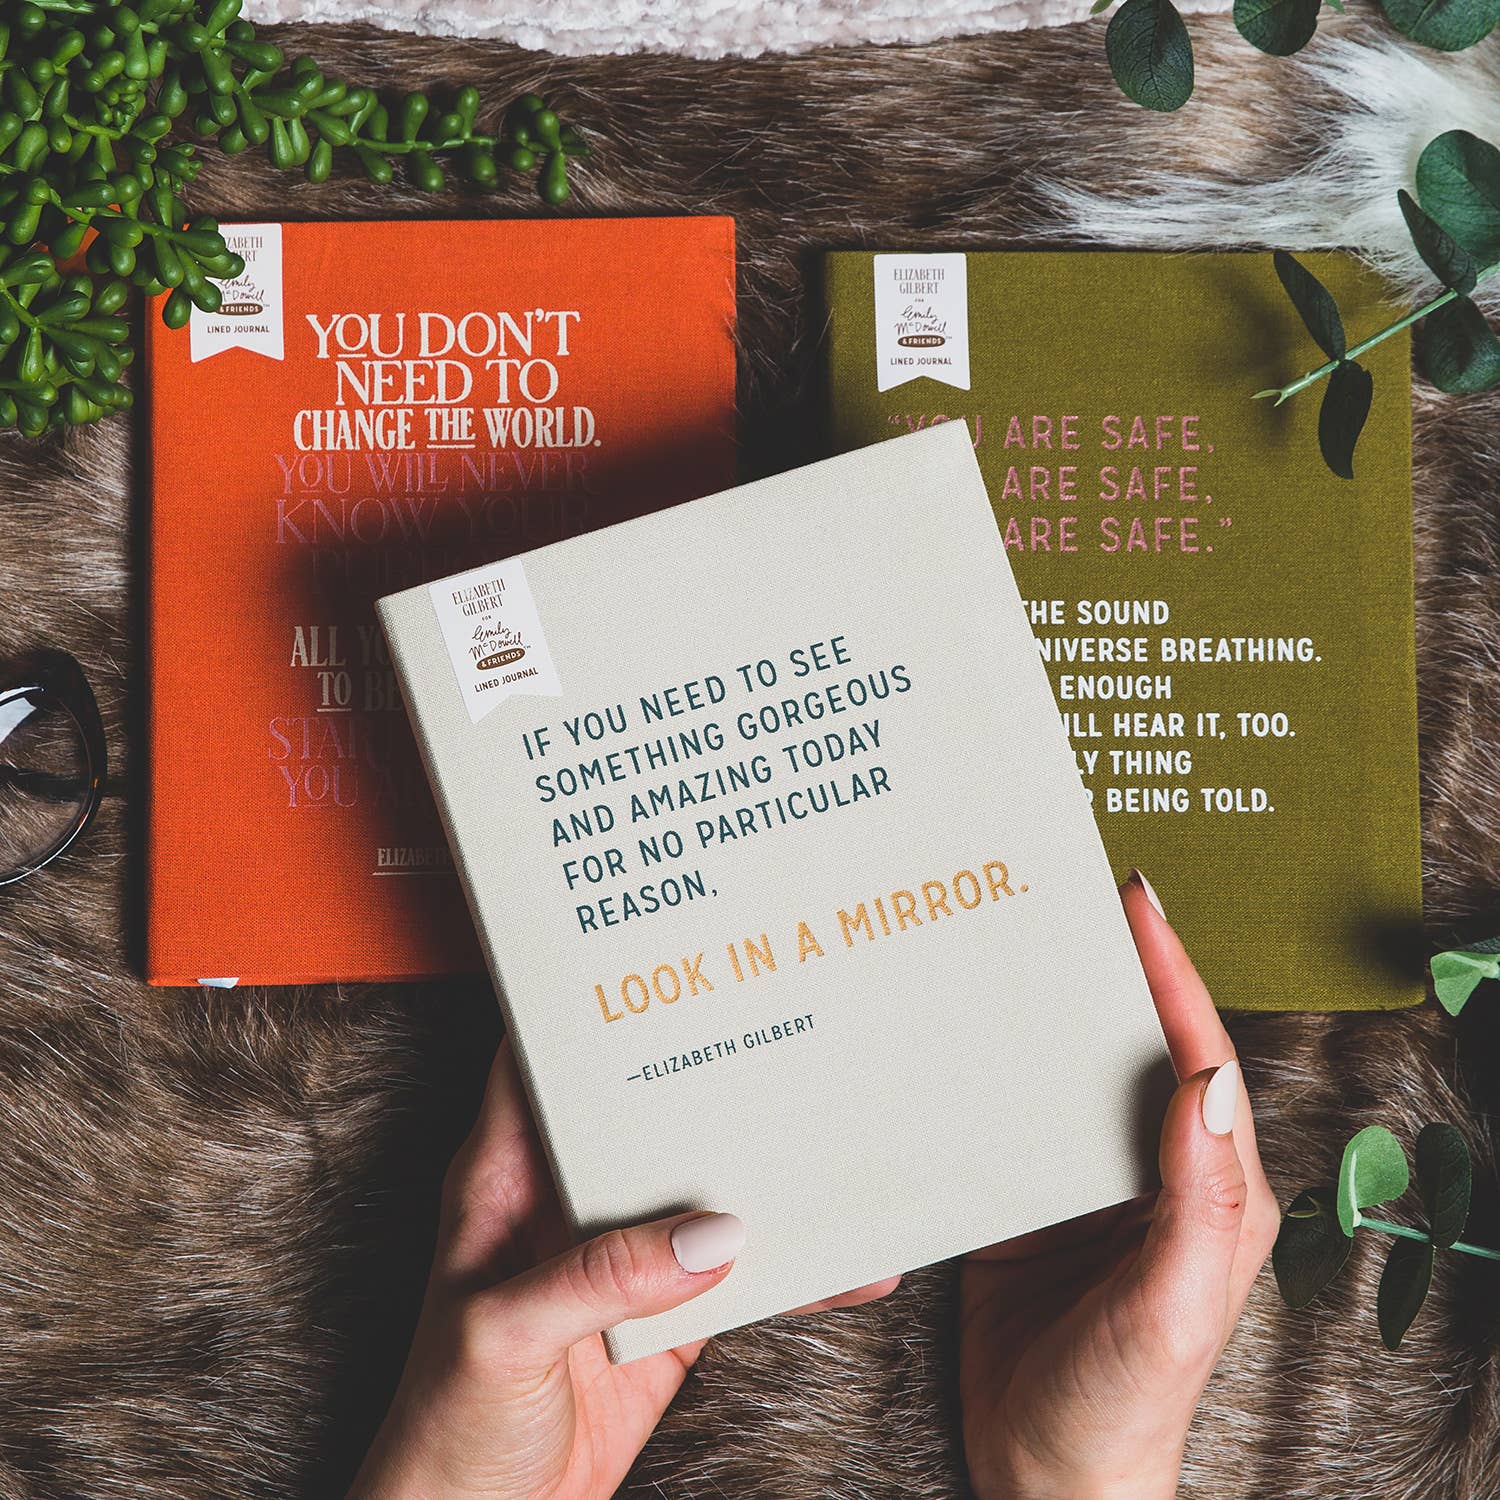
1286, 392
1318, 1228
1151, 54
1454, 222
1404, 1232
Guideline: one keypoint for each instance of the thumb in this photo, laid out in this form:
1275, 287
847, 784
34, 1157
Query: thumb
1180, 1282
623, 1274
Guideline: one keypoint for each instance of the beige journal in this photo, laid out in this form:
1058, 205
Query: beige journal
786, 876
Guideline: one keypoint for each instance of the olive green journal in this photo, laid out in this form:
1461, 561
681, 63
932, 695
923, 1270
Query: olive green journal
1227, 626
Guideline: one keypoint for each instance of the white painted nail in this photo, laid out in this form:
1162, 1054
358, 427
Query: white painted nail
707, 1242
1221, 1098
1151, 895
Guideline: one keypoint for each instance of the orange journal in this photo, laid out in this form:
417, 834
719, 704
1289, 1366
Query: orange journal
375, 405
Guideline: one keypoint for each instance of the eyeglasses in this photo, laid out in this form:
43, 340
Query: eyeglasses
52, 761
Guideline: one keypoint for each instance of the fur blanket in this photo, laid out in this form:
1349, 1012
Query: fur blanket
215, 1209
712, 28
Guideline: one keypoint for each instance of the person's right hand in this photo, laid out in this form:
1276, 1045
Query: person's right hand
1084, 1348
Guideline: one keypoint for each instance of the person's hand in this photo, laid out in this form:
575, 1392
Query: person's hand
507, 1393
1084, 1348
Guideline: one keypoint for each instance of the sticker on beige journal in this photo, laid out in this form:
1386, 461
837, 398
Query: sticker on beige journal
494, 636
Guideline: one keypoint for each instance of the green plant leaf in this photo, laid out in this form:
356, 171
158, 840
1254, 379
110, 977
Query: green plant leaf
1444, 256
1280, 27
1457, 973
1445, 25
1458, 183
1373, 1171
1445, 1179
1403, 1289
1314, 302
1457, 350
1100, 5
1341, 418
1310, 1247
1151, 54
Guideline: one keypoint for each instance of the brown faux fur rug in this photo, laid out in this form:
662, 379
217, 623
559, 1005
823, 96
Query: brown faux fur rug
215, 1208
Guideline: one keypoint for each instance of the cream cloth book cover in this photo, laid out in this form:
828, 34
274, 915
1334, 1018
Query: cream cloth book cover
787, 879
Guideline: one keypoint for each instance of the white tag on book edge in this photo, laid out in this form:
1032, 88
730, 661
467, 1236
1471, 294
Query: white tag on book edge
494, 636
921, 319
252, 309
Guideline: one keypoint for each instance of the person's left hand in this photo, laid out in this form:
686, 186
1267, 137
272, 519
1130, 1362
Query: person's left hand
508, 1393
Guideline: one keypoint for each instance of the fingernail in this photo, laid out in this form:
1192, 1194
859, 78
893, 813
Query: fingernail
707, 1242
1151, 895
1221, 1098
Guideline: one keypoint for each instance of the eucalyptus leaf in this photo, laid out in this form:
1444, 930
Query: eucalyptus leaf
1458, 183
1341, 418
1373, 1171
1445, 25
1485, 945
1151, 54
1445, 1179
1280, 27
1443, 255
1458, 350
1310, 1247
1403, 1289
1314, 302
1457, 973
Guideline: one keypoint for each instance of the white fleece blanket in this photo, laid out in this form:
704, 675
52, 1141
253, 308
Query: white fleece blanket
702, 28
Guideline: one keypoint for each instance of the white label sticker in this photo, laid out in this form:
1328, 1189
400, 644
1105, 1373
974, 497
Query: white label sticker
251, 309
921, 319
494, 636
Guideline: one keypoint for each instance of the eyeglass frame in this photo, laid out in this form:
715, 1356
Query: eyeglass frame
55, 677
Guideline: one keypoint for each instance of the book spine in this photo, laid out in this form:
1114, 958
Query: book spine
451, 831
157, 970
